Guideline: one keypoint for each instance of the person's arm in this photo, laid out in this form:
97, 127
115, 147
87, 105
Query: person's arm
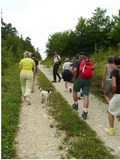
74, 72
53, 57
114, 85
20, 66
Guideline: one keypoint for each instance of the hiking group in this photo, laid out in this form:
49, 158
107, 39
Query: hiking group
79, 71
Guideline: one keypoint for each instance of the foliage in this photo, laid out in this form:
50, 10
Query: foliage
90, 35
14, 46
58, 42
11, 99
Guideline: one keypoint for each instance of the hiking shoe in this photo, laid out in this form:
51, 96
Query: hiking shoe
53, 81
84, 115
81, 95
110, 131
28, 101
32, 91
23, 98
75, 106
70, 90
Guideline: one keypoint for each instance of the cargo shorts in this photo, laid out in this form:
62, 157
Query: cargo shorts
82, 83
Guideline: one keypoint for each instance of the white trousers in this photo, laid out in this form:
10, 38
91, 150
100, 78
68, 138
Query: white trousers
26, 80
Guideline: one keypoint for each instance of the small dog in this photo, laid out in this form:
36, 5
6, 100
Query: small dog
45, 96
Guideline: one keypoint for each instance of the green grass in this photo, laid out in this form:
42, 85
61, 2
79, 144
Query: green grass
11, 99
81, 139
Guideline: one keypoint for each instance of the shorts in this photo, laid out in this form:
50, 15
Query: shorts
108, 86
114, 105
67, 75
82, 83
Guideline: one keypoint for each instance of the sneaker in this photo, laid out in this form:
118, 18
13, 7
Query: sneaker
75, 106
70, 90
79, 98
110, 131
28, 101
23, 98
81, 95
84, 115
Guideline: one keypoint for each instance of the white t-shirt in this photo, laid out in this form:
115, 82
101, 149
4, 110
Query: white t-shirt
67, 65
56, 58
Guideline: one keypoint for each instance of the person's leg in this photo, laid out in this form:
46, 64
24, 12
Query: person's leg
23, 84
106, 97
76, 88
70, 87
78, 94
113, 110
66, 89
85, 90
29, 82
108, 90
75, 97
33, 85
54, 73
86, 101
111, 120
110, 131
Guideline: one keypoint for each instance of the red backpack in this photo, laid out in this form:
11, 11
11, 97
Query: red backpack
86, 69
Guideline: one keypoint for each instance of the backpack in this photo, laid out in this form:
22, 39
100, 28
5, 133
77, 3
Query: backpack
86, 69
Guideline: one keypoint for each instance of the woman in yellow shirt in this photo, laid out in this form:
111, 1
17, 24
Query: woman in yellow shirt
27, 73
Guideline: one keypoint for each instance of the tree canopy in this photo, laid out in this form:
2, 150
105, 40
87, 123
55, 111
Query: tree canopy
98, 32
13, 46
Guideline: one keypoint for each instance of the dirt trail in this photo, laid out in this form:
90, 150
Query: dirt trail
37, 140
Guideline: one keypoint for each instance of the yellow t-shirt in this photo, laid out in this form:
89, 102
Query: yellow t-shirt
27, 64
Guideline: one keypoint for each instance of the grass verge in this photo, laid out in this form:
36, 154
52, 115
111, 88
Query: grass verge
81, 140
11, 99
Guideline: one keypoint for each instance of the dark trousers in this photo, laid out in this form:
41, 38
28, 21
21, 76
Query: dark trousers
55, 71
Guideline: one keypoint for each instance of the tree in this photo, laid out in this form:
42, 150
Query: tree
58, 42
99, 25
114, 35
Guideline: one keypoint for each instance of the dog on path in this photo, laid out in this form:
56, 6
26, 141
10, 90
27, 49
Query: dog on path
45, 96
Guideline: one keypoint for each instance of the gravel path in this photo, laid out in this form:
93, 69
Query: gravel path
37, 140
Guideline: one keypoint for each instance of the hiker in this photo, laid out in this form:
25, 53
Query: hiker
27, 73
57, 61
79, 83
36, 63
35, 60
76, 58
114, 103
67, 75
106, 79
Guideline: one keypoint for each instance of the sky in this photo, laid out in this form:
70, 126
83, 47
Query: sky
38, 19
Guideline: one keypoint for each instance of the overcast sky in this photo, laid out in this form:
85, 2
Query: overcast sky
38, 19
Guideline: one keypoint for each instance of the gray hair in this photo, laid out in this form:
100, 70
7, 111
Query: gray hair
67, 60
27, 54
